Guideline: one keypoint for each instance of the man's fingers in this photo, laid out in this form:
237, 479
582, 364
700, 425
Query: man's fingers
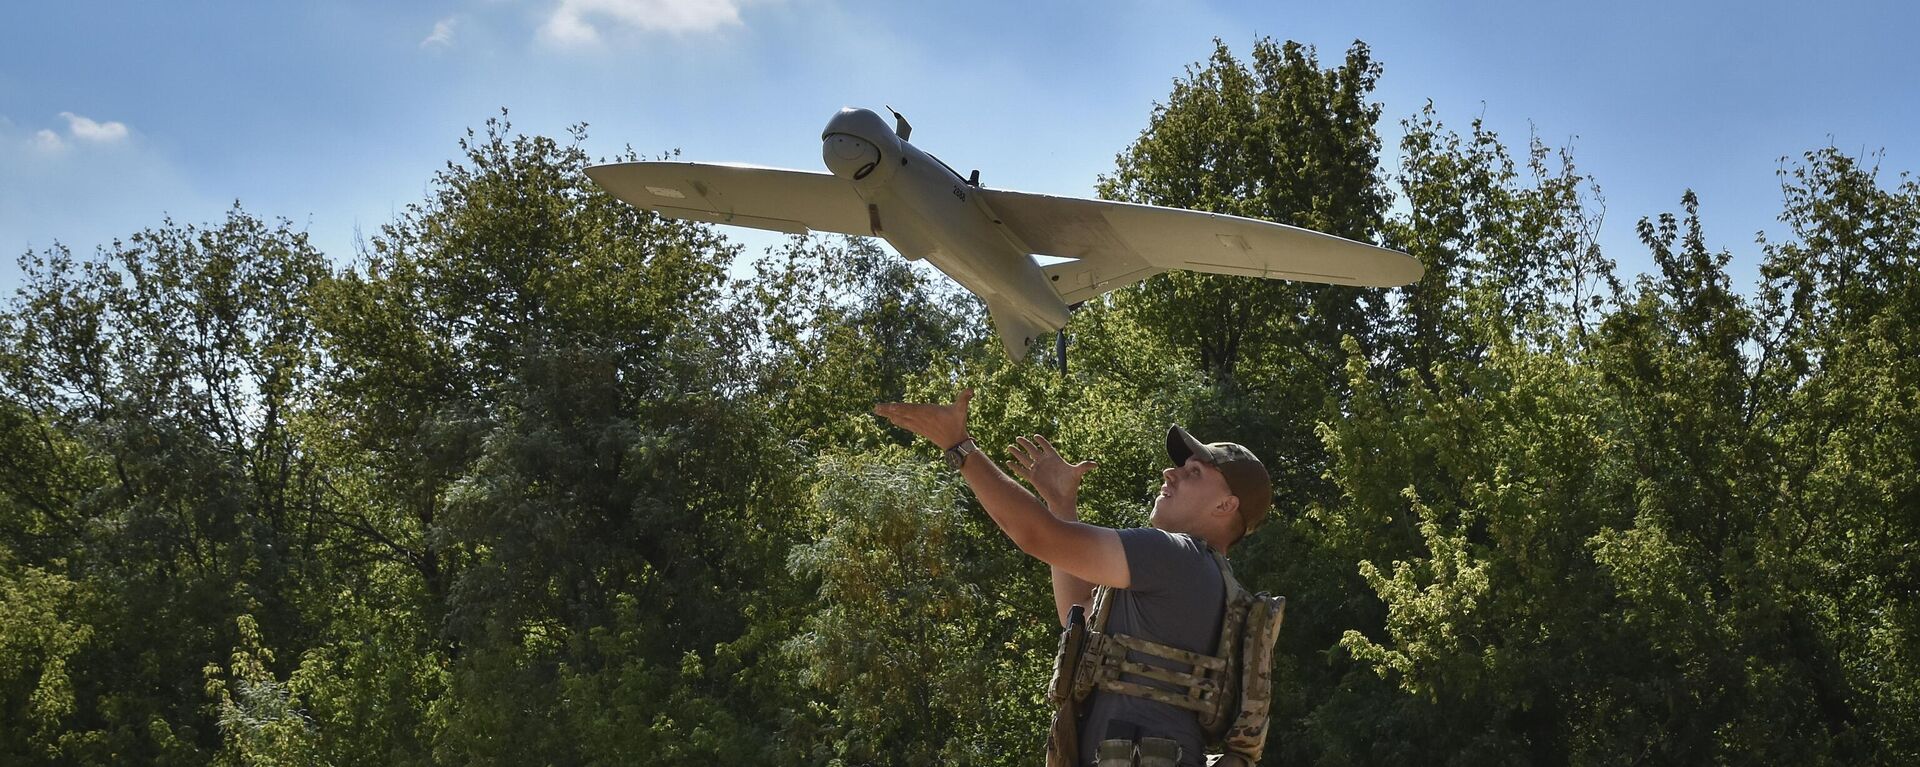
1043, 448
911, 417
1021, 458
901, 412
902, 408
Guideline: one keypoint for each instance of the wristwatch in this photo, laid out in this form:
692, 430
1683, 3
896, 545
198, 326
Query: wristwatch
957, 455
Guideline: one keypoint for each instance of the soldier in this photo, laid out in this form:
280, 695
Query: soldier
1166, 582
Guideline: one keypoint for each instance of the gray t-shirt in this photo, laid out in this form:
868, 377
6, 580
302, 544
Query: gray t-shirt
1175, 599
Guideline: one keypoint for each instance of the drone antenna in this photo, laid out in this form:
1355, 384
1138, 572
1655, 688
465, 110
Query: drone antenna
900, 126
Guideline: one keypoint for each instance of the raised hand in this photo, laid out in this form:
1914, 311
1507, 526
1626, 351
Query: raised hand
943, 425
1057, 481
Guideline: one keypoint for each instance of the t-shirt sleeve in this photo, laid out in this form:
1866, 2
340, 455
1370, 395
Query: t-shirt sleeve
1159, 561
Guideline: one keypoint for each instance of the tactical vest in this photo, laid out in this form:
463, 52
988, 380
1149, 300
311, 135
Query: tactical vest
1228, 691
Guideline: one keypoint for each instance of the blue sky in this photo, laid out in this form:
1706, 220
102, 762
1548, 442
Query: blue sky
336, 115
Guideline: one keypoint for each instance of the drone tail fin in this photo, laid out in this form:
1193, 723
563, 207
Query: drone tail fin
1018, 333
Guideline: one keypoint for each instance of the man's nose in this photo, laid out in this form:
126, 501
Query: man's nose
1167, 475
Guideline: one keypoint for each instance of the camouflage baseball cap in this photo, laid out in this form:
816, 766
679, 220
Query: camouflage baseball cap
1246, 475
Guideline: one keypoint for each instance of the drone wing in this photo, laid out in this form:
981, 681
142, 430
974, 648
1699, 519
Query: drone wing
792, 201
1115, 244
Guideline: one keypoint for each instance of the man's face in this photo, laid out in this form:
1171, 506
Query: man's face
1187, 493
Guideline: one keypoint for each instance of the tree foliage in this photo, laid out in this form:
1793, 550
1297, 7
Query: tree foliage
535, 477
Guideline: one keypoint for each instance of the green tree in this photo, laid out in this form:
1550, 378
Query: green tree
1280, 140
842, 324
550, 397
147, 400
257, 714
1633, 552
39, 637
1509, 259
923, 611
1834, 387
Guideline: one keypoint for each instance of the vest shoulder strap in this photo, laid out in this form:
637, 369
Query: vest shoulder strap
1102, 605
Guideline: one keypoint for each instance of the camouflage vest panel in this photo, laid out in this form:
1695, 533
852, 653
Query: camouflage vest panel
1228, 691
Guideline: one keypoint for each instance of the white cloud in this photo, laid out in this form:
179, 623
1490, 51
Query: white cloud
88, 130
48, 141
442, 36
573, 21
80, 130
55, 186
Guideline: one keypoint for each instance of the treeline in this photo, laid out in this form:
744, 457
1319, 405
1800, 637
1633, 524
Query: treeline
533, 480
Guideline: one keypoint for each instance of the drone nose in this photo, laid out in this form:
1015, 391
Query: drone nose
849, 156
847, 147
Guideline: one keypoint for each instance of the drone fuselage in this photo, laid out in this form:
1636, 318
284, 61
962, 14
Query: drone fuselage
925, 210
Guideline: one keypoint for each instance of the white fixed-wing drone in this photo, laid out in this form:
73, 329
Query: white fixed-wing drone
985, 239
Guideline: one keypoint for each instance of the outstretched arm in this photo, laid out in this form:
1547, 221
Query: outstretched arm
1058, 483
1087, 552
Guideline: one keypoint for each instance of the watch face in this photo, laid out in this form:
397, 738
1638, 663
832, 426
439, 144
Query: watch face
957, 455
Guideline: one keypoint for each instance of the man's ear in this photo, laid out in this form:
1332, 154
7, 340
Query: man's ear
1230, 508
1235, 528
